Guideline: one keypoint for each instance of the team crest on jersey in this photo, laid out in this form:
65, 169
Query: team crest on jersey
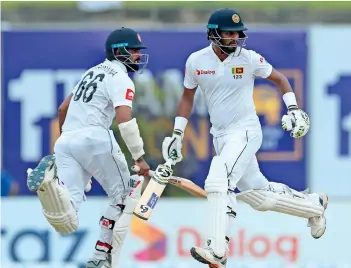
237, 72
129, 94
200, 72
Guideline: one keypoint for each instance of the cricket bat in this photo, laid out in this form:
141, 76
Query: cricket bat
187, 185
182, 183
153, 190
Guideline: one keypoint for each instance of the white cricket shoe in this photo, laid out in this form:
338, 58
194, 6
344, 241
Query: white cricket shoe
45, 171
318, 224
205, 255
96, 263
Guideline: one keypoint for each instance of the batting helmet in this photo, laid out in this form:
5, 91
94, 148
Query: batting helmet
226, 20
117, 44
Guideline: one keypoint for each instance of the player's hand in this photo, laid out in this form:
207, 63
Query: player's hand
144, 167
296, 121
173, 145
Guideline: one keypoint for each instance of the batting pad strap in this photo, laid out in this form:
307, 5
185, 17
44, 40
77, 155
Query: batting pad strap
106, 223
103, 247
131, 136
288, 203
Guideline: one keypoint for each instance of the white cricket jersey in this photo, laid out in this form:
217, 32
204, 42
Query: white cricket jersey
227, 86
101, 89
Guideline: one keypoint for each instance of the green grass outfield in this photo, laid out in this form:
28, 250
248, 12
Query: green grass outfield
236, 4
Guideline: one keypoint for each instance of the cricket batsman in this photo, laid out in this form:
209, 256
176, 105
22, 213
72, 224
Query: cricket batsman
87, 148
225, 72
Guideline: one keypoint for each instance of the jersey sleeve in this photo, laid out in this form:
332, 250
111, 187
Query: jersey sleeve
189, 77
121, 90
78, 83
261, 67
75, 88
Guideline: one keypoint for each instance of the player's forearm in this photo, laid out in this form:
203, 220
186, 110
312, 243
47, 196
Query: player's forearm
285, 88
185, 105
184, 110
283, 84
131, 136
287, 93
129, 130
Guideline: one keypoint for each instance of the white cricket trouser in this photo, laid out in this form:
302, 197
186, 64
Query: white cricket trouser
88, 152
238, 149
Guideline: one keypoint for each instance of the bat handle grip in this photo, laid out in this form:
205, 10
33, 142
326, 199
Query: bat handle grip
136, 169
169, 162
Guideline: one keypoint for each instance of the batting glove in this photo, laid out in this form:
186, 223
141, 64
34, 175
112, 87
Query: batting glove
171, 145
296, 121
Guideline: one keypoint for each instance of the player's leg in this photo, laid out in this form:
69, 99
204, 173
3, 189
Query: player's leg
216, 187
122, 225
113, 232
108, 166
263, 195
54, 198
235, 151
60, 198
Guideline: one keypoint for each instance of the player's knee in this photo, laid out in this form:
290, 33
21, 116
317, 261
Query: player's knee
217, 177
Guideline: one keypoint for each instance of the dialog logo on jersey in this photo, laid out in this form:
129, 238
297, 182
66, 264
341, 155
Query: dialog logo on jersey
129, 94
155, 239
200, 72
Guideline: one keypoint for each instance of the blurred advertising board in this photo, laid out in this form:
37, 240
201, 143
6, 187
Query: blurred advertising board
329, 142
36, 81
258, 239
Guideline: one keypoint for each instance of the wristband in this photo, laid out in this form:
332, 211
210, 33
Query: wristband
290, 100
180, 124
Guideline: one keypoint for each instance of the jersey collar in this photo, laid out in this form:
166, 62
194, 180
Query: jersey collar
228, 59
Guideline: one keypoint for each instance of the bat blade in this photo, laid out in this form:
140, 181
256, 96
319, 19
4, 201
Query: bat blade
148, 200
188, 186
153, 192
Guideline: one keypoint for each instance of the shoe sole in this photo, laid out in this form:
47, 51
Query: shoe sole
325, 201
199, 258
36, 177
321, 231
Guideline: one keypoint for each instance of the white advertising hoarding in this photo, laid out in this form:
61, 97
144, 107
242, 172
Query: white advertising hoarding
258, 239
329, 99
